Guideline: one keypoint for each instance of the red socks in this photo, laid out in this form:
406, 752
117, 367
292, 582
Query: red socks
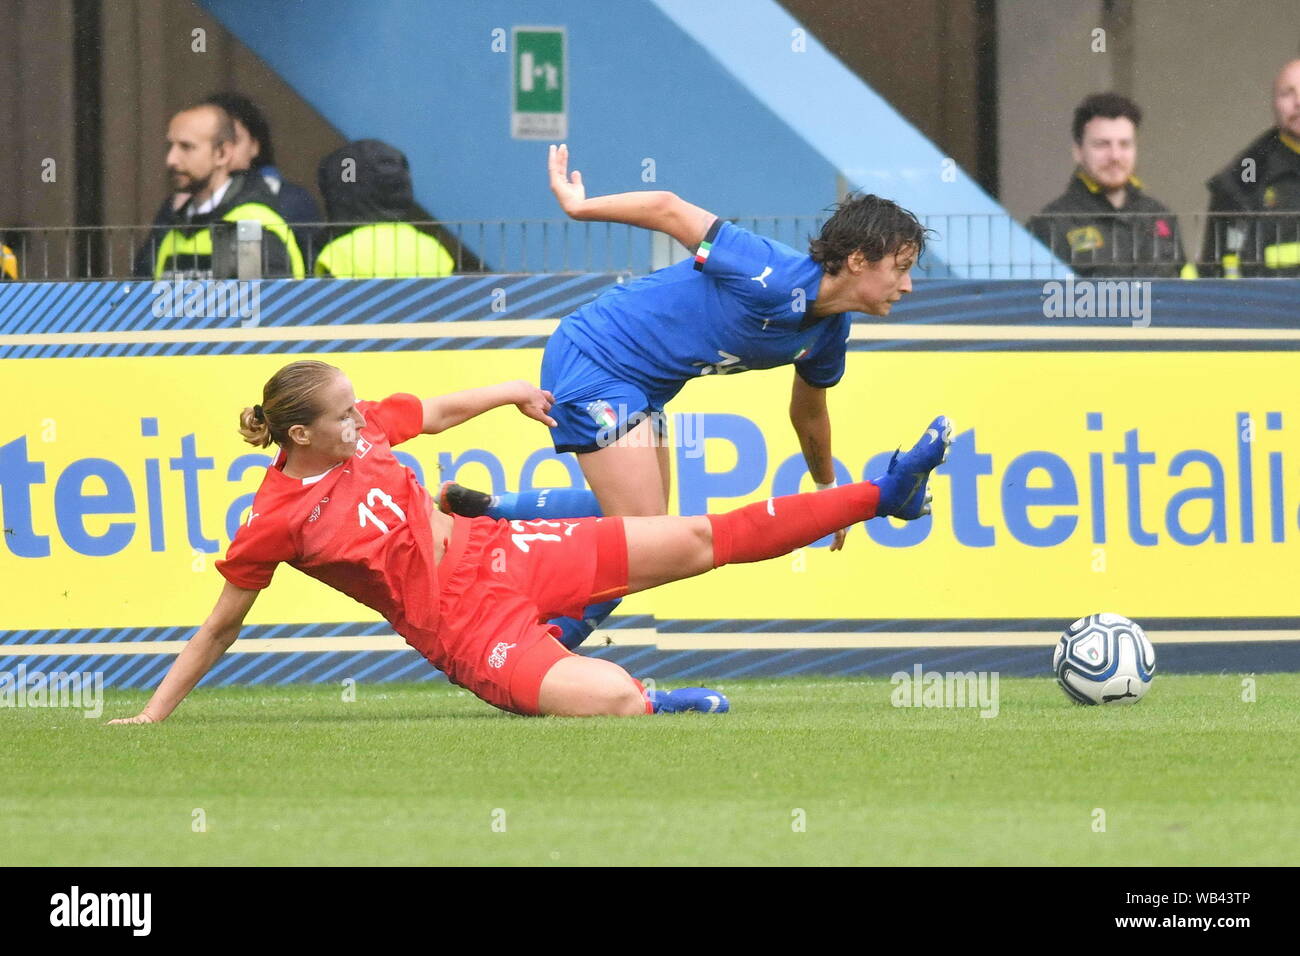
771, 528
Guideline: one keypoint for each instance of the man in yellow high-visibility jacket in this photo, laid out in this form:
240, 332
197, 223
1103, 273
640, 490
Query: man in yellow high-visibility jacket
200, 150
1254, 223
369, 199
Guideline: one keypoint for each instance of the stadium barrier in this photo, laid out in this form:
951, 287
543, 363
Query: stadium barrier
972, 246
1120, 446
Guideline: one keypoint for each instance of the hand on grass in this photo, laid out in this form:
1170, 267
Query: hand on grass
140, 718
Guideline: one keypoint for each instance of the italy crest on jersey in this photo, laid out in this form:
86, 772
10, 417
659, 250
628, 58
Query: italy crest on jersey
602, 413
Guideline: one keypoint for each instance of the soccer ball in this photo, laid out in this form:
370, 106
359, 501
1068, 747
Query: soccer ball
1104, 659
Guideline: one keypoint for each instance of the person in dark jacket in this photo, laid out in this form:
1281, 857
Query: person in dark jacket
199, 156
255, 151
1104, 224
1254, 224
371, 206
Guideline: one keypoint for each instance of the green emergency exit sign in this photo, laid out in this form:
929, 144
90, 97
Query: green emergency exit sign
540, 96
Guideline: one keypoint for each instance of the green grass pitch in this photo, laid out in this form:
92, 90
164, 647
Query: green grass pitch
803, 771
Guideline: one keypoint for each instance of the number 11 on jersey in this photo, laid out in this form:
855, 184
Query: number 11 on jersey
364, 512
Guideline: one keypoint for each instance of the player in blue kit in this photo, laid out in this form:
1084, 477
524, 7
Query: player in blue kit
740, 302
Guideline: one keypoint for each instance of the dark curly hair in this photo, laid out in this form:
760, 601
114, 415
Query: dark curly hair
1106, 105
240, 107
868, 224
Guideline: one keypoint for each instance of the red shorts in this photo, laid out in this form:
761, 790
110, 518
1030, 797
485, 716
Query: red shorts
500, 581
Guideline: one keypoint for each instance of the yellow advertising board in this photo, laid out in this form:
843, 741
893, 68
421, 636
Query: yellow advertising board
1151, 484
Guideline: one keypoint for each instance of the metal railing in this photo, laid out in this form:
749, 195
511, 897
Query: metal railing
977, 246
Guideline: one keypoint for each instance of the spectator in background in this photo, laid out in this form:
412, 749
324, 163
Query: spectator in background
370, 203
1263, 183
200, 153
255, 151
1104, 224
8, 264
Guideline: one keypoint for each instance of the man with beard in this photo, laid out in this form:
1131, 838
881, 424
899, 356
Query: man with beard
1104, 224
200, 152
1254, 222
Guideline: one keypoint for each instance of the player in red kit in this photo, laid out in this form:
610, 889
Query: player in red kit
472, 594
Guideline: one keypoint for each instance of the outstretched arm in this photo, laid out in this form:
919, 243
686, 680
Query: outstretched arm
202, 650
446, 411
812, 424
659, 210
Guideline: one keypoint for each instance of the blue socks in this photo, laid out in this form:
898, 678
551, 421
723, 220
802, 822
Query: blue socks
545, 503
574, 632
557, 503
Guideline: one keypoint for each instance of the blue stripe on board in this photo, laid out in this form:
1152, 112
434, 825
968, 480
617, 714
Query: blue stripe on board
348, 660
91, 318
282, 299
385, 659
120, 306
438, 310
35, 310
284, 660
312, 661
286, 315
149, 675
337, 308
521, 308
536, 341
564, 298
718, 663
417, 662
458, 314
960, 625
14, 301
757, 628
1072, 345
49, 309
392, 296
83, 309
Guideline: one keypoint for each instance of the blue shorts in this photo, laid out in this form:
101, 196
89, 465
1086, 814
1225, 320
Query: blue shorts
593, 407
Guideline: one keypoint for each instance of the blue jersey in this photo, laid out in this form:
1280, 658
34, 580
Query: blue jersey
743, 302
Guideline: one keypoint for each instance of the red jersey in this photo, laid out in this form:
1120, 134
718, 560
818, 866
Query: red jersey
362, 527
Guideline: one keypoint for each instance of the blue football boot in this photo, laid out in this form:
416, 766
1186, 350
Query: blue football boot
903, 488
688, 698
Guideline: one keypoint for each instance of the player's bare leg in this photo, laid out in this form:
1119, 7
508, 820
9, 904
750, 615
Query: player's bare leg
665, 469
626, 476
664, 548
590, 687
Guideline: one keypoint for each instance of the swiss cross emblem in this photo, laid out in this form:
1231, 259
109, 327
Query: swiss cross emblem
363, 446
